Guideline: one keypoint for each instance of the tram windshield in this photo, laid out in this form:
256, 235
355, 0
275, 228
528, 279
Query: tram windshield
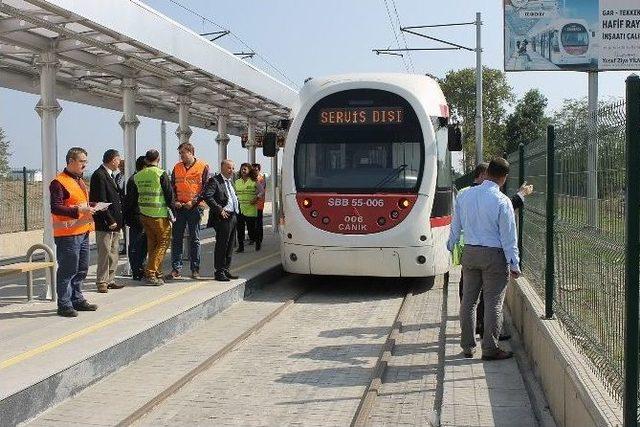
574, 35
361, 140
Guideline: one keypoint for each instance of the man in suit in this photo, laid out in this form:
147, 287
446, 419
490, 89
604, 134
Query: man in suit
490, 256
220, 195
108, 222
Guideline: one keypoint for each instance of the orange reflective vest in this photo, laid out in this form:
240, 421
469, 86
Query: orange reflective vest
188, 182
262, 183
65, 225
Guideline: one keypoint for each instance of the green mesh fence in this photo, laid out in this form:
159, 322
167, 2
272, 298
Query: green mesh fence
589, 194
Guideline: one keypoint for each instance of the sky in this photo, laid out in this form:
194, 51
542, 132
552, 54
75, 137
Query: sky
301, 39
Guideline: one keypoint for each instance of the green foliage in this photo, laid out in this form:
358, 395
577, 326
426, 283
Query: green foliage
5, 154
459, 88
528, 121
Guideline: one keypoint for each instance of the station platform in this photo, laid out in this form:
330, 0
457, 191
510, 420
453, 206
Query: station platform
45, 358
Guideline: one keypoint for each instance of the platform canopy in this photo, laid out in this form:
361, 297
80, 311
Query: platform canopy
100, 43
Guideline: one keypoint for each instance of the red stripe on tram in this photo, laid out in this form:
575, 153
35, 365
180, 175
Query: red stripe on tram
440, 221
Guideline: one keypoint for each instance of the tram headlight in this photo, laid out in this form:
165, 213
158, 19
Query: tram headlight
403, 203
325, 220
314, 214
394, 214
306, 203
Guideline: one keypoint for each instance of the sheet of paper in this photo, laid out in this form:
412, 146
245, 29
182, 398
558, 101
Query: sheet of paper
102, 206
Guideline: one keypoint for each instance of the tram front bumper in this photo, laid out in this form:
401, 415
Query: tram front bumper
343, 261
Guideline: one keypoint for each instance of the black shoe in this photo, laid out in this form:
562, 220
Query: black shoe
229, 275
85, 306
499, 355
67, 312
468, 353
240, 250
221, 277
258, 246
251, 242
504, 337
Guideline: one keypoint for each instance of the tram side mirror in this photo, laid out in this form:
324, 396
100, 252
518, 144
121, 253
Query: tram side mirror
269, 147
454, 137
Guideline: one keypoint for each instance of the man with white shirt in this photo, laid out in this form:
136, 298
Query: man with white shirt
490, 254
103, 188
220, 195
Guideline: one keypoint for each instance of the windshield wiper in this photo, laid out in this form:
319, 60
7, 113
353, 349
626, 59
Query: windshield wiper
387, 179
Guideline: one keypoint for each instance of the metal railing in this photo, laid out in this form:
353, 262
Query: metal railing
21, 207
574, 240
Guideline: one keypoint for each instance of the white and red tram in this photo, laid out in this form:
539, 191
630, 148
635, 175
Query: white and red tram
366, 178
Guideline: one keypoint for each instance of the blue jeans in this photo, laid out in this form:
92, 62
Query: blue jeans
186, 218
137, 251
73, 264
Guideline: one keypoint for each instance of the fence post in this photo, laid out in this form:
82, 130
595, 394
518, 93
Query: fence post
521, 210
549, 279
25, 215
632, 256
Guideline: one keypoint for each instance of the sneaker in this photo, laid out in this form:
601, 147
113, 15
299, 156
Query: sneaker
175, 274
499, 355
195, 274
67, 312
85, 306
153, 281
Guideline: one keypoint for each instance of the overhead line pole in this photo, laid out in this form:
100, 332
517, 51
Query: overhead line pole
479, 119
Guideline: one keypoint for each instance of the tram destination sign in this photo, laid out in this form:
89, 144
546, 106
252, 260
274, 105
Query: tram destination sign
571, 35
361, 116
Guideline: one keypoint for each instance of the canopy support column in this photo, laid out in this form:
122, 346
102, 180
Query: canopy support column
184, 131
129, 123
251, 142
223, 138
48, 109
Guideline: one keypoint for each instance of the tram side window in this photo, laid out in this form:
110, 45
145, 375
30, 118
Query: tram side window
443, 197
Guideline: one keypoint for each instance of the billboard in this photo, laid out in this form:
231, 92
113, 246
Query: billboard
571, 35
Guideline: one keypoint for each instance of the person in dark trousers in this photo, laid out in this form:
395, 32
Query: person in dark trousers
220, 195
490, 256
188, 179
72, 221
109, 222
246, 187
262, 191
517, 200
137, 247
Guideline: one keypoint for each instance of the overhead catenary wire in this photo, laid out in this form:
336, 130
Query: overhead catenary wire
395, 34
237, 38
404, 39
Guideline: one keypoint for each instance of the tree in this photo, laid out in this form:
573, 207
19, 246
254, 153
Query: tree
5, 154
459, 88
528, 121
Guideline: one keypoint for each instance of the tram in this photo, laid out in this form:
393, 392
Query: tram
366, 178
563, 42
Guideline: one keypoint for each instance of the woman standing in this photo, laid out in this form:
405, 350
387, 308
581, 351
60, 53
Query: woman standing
247, 191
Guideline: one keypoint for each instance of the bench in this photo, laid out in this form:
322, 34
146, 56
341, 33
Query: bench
30, 266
